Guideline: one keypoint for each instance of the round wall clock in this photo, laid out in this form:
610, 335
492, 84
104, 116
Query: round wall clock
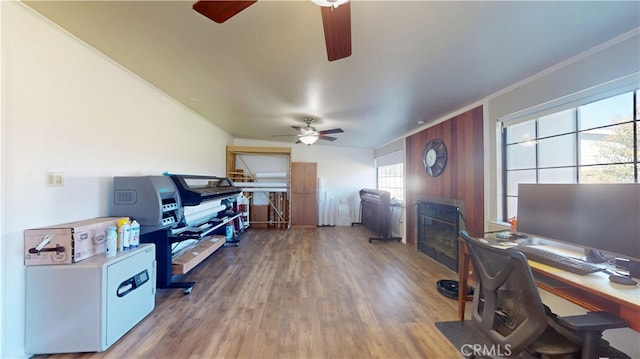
434, 158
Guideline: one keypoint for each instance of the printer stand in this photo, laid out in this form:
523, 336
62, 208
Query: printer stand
163, 242
232, 243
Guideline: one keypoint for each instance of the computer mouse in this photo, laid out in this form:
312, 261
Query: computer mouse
622, 280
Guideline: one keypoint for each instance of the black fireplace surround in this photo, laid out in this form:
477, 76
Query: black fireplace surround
438, 226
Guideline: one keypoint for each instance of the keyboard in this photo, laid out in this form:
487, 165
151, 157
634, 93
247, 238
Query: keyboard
568, 264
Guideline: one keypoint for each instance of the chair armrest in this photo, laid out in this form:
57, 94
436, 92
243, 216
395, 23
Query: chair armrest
593, 321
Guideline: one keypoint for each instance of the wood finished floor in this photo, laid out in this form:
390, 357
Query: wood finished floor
304, 293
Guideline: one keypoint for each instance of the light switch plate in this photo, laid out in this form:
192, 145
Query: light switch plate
55, 179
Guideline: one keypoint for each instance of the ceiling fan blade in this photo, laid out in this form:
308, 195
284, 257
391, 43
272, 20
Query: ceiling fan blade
337, 30
328, 138
221, 11
297, 128
327, 132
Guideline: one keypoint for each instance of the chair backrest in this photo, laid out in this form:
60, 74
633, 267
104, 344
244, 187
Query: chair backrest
506, 304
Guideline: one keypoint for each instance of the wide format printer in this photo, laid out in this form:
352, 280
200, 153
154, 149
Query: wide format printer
176, 212
375, 213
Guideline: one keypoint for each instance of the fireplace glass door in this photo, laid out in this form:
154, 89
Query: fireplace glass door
438, 226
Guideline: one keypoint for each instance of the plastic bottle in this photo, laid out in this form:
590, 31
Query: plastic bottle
112, 241
124, 235
135, 234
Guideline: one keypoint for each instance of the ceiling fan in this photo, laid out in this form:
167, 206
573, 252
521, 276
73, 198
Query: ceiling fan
336, 20
309, 135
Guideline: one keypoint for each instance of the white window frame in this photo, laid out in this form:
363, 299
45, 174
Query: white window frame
604, 91
392, 159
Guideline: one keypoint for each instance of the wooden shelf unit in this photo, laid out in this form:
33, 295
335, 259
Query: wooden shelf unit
277, 213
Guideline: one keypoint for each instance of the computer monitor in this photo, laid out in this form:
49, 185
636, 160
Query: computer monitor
602, 217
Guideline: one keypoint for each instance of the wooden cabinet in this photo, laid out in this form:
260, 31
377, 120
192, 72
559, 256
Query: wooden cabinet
304, 206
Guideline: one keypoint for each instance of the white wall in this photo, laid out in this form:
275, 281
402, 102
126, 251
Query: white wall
67, 108
344, 172
334, 162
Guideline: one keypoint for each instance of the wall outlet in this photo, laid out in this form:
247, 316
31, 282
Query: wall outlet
55, 179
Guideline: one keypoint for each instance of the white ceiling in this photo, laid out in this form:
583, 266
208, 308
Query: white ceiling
266, 69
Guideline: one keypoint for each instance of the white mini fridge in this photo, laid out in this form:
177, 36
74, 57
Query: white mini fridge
89, 305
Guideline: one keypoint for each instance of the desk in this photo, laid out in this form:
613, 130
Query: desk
593, 292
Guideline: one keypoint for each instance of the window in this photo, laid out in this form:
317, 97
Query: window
596, 142
390, 178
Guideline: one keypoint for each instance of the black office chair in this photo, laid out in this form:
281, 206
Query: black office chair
508, 310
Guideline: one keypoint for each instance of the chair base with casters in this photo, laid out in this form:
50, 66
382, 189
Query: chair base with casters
588, 330
508, 310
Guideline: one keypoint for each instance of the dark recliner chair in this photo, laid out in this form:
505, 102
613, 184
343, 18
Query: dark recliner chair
508, 310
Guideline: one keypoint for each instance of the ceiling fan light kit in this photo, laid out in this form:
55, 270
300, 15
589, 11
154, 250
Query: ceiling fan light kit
309, 139
309, 135
329, 3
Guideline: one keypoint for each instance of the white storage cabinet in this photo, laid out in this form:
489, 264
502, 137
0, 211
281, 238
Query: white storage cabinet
89, 305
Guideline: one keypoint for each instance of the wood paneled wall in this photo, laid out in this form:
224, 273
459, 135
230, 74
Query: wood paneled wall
463, 177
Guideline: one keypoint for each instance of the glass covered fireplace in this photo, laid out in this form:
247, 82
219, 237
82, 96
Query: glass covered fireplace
438, 226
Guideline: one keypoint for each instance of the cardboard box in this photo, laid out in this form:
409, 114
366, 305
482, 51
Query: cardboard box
259, 216
192, 257
68, 242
